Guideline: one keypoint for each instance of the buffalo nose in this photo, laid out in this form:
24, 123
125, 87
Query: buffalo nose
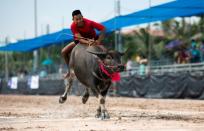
121, 67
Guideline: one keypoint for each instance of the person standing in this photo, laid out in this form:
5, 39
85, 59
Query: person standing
202, 50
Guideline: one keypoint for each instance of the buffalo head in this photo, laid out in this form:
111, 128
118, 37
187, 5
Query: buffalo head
111, 60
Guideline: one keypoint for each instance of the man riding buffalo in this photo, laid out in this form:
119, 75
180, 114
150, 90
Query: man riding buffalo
84, 33
93, 65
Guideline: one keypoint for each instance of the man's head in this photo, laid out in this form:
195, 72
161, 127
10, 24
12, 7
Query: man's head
77, 17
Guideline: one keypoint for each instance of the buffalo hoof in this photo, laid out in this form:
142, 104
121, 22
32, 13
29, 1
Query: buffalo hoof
102, 115
105, 115
62, 99
84, 99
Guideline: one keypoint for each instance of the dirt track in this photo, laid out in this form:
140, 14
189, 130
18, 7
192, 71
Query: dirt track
44, 113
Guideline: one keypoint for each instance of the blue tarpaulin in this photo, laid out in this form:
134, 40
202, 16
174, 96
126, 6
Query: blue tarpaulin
39, 42
179, 8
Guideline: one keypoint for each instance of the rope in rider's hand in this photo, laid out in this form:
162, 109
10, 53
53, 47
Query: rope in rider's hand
91, 42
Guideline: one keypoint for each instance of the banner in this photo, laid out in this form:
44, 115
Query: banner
14, 83
34, 83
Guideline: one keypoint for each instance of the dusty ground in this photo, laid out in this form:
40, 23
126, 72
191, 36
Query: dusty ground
44, 113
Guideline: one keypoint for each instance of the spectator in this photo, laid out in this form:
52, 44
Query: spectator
22, 73
193, 43
202, 50
142, 68
183, 56
129, 66
194, 54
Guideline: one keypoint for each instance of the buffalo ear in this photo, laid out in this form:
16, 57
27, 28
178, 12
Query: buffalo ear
101, 55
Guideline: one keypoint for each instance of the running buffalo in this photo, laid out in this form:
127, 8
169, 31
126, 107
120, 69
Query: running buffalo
94, 67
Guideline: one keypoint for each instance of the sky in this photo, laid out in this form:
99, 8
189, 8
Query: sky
17, 16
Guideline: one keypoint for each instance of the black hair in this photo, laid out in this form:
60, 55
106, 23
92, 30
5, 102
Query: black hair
76, 12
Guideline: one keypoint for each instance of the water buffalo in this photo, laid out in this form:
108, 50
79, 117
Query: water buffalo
94, 67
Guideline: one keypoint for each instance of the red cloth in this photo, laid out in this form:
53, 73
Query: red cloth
116, 77
87, 30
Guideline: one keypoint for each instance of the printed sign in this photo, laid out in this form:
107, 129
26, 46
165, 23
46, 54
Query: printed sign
14, 82
34, 82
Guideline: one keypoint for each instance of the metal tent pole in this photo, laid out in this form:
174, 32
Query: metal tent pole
35, 53
6, 62
149, 43
118, 43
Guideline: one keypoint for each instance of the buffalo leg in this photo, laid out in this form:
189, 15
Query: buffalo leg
101, 111
63, 98
98, 112
104, 113
85, 96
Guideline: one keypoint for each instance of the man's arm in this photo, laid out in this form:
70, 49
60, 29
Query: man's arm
102, 30
101, 36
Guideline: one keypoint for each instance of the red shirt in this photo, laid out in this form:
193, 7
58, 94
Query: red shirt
87, 30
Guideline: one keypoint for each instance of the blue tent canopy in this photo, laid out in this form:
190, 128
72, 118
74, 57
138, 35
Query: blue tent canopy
179, 8
39, 42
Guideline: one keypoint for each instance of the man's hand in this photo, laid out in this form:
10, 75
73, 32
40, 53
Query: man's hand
90, 42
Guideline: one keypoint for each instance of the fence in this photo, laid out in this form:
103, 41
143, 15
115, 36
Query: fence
169, 81
174, 68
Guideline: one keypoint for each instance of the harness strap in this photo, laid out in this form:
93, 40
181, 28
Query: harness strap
104, 70
114, 76
102, 79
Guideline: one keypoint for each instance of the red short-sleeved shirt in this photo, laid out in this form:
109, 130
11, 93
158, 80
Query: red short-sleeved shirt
87, 30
